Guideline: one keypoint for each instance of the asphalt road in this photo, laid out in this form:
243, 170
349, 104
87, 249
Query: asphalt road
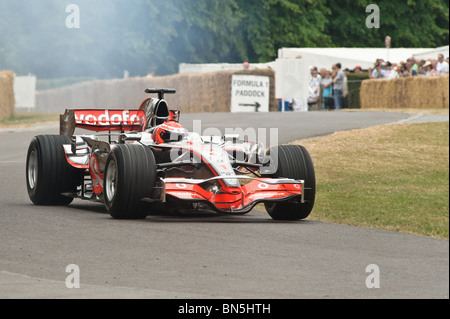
206, 255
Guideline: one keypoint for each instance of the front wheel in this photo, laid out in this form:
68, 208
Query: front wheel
130, 176
294, 162
48, 174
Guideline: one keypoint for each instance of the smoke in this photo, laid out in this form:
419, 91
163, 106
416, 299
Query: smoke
42, 38
103, 38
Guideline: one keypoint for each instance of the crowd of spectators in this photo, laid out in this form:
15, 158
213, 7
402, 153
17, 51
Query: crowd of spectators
328, 89
410, 67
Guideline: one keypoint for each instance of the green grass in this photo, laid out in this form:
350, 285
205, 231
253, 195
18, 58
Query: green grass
24, 118
391, 177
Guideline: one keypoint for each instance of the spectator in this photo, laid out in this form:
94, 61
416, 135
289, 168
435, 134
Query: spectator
370, 71
314, 86
323, 73
421, 71
357, 69
391, 71
414, 66
327, 90
403, 70
422, 63
385, 70
433, 71
427, 68
246, 65
408, 68
394, 72
441, 66
338, 82
377, 72
314, 81
345, 90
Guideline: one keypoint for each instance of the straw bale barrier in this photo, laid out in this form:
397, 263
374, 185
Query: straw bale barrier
411, 92
196, 93
6, 94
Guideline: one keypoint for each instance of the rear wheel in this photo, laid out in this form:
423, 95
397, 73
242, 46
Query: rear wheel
48, 174
293, 161
130, 176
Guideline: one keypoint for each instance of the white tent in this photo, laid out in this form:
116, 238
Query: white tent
350, 57
326, 57
213, 67
433, 53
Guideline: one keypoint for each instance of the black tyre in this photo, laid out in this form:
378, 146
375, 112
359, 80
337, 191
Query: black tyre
293, 162
48, 174
130, 175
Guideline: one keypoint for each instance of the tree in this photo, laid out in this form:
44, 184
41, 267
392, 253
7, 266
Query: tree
206, 33
409, 23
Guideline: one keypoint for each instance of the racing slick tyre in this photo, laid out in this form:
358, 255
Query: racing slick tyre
48, 173
130, 176
294, 162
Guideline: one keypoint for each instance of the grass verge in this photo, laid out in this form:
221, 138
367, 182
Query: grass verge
435, 111
23, 119
394, 177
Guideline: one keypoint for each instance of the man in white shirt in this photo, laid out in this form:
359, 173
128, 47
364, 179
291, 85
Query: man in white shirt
441, 66
314, 81
314, 86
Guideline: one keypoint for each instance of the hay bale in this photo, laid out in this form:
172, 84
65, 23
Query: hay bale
7, 101
205, 92
411, 92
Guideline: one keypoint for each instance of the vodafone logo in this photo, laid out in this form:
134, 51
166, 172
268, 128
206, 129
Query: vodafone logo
181, 186
263, 186
109, 117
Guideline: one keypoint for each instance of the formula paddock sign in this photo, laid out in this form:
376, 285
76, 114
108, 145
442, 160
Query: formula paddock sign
250, 93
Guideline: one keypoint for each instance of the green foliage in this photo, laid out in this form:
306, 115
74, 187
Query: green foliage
410, 24
354, 85
272, 24
144, 36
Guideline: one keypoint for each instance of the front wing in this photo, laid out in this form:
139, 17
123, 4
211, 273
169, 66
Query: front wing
232, 199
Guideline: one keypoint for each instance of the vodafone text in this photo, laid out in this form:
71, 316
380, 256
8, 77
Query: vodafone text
108, 117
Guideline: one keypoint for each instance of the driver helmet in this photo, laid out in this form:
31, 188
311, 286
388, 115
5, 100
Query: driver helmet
169, 132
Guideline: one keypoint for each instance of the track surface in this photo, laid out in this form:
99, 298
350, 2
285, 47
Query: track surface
204, 255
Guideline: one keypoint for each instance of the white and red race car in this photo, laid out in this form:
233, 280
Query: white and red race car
139, 161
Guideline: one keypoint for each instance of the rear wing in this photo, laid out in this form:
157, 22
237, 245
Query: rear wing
101, 120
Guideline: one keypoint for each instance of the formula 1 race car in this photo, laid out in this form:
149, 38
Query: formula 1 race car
143, 161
